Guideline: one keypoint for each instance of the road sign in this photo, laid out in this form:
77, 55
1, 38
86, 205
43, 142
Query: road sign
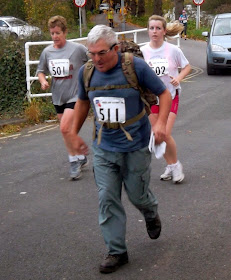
198, 2
80, 3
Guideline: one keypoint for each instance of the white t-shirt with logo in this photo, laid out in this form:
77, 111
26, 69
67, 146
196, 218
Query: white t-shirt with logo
166, 61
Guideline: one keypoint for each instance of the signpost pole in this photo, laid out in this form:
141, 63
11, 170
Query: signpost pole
123, 18
80, 23
198, 3
80, 4
197, 17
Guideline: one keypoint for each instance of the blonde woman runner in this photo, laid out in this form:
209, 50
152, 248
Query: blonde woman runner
166, 59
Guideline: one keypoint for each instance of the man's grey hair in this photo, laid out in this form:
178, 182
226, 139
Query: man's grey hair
102, 32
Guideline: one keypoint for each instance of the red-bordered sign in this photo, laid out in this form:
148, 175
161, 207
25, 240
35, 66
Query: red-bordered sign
198, 2
80, 3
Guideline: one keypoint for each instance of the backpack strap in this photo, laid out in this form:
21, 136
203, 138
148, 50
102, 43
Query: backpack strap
128, 69
108, 87
87, 73
130, 74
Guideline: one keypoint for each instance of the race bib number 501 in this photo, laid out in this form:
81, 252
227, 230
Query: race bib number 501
59, 67
110, 109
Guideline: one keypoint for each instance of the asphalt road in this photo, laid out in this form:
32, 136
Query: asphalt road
48, 225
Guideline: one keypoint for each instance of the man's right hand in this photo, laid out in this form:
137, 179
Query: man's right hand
78, 146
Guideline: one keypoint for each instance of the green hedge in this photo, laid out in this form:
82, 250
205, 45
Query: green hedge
12, 78
13, 89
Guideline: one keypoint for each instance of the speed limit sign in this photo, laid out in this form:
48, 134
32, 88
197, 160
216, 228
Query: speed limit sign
80, 3
198, 2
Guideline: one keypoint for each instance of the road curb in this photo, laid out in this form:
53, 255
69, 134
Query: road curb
12, 121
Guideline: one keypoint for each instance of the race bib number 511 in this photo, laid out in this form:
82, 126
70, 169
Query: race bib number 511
59, 67
110, 109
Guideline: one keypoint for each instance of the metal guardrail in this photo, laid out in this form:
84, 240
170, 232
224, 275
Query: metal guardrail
30, 79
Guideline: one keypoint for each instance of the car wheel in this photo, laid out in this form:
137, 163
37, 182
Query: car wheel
210, 69
14, 36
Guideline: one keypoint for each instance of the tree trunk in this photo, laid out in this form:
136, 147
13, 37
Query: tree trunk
90, 4
141, 8
179, 6
84, 18
133, 7
157, 9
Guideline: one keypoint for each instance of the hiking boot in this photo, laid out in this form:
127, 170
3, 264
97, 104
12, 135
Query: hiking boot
75, 170
83, 162
177, 173
154, 227
167, 175
112, 262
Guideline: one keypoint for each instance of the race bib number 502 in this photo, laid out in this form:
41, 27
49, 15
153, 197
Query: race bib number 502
59, 67
160, 66
110, 109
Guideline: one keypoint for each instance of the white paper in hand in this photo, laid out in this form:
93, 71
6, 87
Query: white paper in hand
158, 150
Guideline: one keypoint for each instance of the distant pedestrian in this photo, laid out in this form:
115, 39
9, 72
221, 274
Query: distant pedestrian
117, 7
62, 60
184, 20
110, 16
92, 9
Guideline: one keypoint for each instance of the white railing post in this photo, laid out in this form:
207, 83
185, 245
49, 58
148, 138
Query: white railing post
27, 56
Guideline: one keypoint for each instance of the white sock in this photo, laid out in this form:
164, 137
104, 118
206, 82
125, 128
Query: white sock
72, 158
174, 165
80, 157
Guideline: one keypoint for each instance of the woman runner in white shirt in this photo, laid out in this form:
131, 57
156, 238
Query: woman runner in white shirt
166, 59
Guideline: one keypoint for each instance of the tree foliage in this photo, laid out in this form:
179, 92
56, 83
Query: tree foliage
216, 5
13, 8
12, 78
39, 11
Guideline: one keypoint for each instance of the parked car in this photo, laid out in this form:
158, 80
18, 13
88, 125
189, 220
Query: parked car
188, 7
219, 43
103, 7
18, 28
4, 33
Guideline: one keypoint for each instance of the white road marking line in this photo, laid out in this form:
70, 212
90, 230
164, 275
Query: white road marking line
47, 129
10, 136
34, 130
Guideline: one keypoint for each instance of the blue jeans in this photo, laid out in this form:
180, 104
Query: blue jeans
112, 170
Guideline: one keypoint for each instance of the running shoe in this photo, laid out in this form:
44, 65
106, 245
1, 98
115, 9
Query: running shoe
75, 170
167, 175
177, 173
83, 162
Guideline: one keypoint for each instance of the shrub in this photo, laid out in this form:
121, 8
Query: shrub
12, 78
39, 110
